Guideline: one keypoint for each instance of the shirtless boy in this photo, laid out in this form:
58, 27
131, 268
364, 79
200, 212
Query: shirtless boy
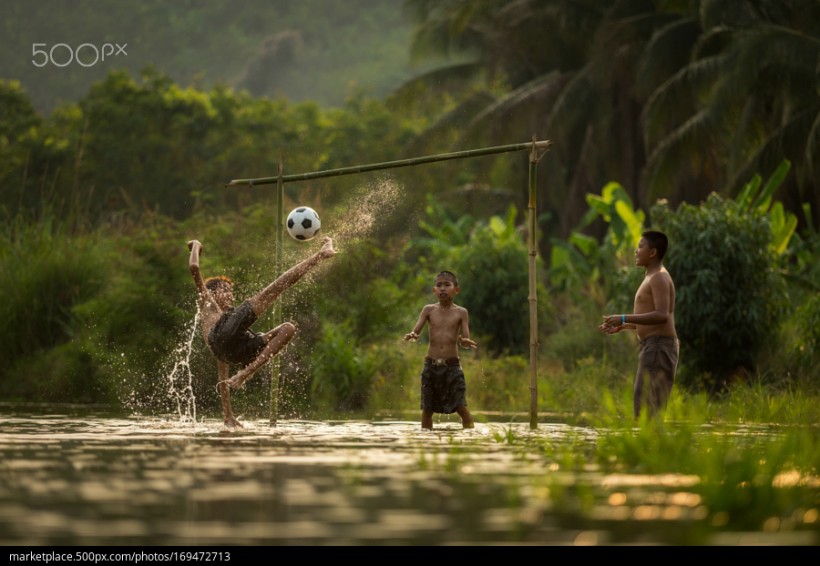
443, 388
653, 320
226, 329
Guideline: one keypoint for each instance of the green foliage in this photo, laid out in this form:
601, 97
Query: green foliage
581, 262
491, 261
396, 388
573, 340
130, 146
374, 306
800, 341
342, 371
729, 293
757, 198
45, 275
19, 126
492, 273
496, 384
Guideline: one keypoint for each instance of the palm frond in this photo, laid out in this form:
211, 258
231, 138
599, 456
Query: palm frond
533, 95
788, 140
678, 97
680, 151
450, 78
668, 50
449, 121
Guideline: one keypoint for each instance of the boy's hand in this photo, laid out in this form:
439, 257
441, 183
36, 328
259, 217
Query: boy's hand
411, 337
610, 329
193, 243
613, 320
467, 343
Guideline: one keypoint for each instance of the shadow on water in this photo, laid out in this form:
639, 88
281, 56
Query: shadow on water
83, 476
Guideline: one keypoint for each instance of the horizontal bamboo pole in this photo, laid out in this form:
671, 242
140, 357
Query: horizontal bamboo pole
390, 164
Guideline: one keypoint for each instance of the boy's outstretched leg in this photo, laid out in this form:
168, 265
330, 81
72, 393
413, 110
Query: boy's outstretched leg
266, 297
277, 338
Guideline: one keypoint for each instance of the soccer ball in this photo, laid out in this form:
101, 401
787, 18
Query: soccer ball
303, 223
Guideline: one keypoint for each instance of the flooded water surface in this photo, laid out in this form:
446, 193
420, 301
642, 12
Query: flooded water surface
102, 480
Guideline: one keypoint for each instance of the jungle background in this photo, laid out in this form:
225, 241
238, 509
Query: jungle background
699, 118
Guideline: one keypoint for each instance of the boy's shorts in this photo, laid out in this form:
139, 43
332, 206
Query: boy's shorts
657, 364
443, 387
231, 339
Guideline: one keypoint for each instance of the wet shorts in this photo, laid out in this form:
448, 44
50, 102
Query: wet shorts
443, 387
231, 339
657, 363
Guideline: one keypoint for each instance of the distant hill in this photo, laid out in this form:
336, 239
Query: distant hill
298, 49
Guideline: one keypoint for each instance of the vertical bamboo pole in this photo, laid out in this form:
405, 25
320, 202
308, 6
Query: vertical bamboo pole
533, 299
278, 317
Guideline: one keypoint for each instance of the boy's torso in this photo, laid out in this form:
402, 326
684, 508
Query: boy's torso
444, 325
645, 302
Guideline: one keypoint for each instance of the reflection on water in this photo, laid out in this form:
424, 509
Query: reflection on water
91, 480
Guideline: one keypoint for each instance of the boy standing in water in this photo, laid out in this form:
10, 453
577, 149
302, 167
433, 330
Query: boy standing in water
226, 329
443, 388
653, 320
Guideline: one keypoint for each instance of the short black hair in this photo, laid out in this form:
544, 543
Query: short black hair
657, 240
214, 283
449, 275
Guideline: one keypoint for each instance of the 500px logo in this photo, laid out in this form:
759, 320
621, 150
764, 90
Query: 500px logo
85, 54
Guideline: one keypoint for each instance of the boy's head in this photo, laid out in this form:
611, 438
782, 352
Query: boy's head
657, 241
448, 276
221, 287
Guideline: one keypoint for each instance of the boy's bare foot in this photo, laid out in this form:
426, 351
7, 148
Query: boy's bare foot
468, 424
231, 422
327, 247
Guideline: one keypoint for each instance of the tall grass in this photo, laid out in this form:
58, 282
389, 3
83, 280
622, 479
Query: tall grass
724, 474
45, 272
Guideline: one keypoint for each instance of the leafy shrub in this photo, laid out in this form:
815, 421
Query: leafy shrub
342, 372
581, 263
729, 293
44, 275
491, 260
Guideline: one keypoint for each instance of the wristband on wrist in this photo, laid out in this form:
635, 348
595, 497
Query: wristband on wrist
623, 319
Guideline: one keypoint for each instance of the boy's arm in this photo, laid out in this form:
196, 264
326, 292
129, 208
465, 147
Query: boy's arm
615, 329
413, 335
193, 265
464, 339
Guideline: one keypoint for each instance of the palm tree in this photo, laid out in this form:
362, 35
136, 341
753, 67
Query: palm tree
748, 98
568, 70
669, 99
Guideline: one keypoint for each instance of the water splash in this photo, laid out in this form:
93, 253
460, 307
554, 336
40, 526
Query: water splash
180, 378
369, 205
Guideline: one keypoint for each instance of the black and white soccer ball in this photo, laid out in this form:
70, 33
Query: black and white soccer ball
303, 223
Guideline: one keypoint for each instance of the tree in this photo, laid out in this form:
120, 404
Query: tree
729, 290
670, 99
746, 99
